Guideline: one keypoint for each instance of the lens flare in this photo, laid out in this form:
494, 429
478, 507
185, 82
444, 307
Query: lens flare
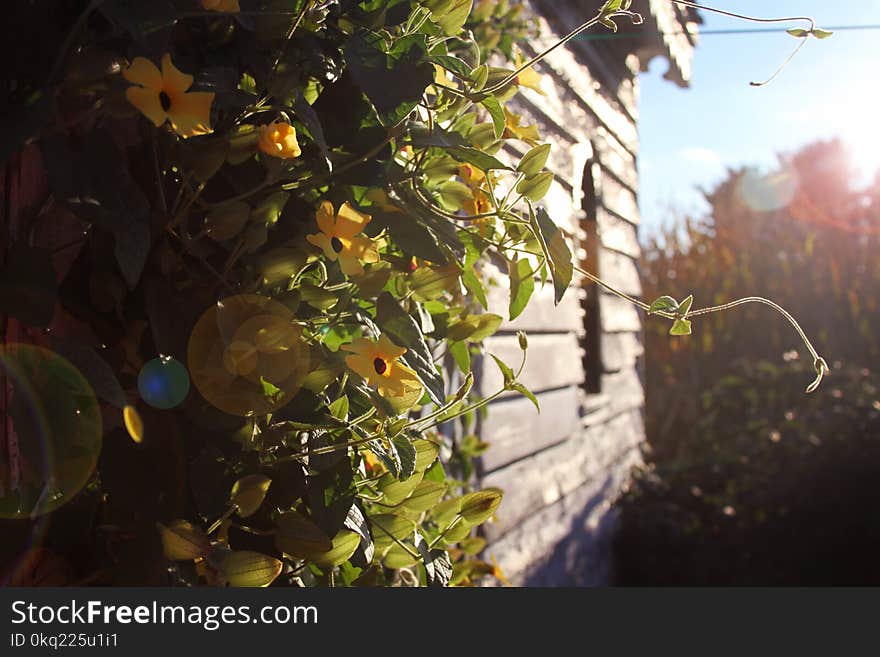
247, 356
767, 192
163, 383
52, 433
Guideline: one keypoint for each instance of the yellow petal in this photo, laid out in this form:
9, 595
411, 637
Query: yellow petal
190, 113
145, 73
389, 350
361, 365
323, 242
350, 222
350, 265
325, 218
147, 101
361, 346
363, 248
173, 80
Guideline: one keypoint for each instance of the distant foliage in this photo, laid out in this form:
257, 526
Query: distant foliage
748, 481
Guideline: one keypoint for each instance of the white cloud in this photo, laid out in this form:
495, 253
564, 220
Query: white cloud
703, 156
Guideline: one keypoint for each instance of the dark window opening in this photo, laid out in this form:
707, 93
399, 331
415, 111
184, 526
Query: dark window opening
590, 303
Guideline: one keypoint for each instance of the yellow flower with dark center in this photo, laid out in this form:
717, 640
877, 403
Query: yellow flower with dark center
223, 6
278, 139
471, 175
163, 96
377, 361
341, 239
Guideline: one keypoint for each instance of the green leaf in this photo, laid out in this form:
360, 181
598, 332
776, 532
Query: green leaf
454, 65
685, 306
473, 285
97, 371
248, 494
248, 568
477, 508
182, 541
454, 17
339, 408
533, 162
344, 545
427, 452
798, 32
309, 118
474, 328
270, 390
405, 331
397, 490
535, 187
270, 208
821, 34
522, 285
300, 537
521, 389
406, 452
226, 221
394, 81
425, 496
663, 304
680, 327
461, 354
497, 113
454, 194
555, 249
506, 371
479, 159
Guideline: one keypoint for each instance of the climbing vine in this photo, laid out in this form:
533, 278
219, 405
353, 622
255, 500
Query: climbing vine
242, 317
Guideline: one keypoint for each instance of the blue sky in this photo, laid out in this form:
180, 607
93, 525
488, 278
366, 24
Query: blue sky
832, 88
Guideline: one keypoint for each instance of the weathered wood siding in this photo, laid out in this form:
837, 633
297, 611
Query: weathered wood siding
562, 468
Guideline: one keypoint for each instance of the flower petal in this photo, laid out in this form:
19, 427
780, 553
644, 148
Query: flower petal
390, 350
190, 113
173, 80
361, 346
363, 248
362, 366
145, 73
325, 218
350, 222
350, 265
147, 101
322, 242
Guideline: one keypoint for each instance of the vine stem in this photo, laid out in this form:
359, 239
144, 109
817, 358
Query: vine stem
755, 19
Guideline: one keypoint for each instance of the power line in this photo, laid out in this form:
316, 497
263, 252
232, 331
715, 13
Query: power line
701, 33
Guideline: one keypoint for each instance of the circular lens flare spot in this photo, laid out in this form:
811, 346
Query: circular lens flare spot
239, 345
52, 436
163, 383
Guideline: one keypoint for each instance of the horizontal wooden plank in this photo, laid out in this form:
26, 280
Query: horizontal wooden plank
618, 315
620, 271
620, 351
553, 361
570, 73
625, 390
541, 314
568, 542
613, 157
618, 234
619, 199
515, 429
536, 482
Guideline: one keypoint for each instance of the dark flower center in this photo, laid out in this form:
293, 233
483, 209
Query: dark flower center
164, 101
336, 244
380, 366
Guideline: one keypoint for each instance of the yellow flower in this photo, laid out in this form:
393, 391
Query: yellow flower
530, 77
278, 139
471, 175
377, 362
478, 204
341, 240
162, 96
513, 128
498, 574
224, 6
378, 197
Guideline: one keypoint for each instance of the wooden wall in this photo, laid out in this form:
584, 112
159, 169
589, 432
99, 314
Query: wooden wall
561, 469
